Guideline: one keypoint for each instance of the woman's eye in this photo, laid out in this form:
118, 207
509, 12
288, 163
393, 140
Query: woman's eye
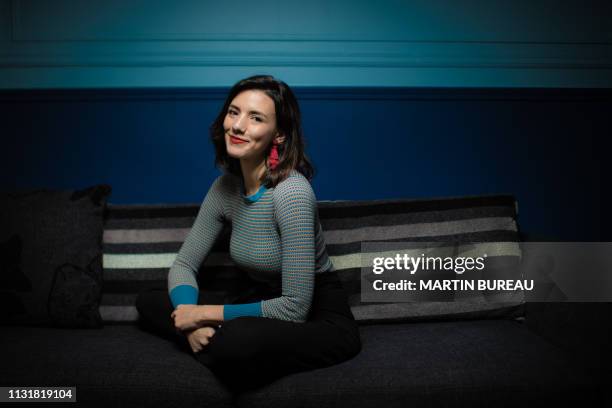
231, 112
257, 118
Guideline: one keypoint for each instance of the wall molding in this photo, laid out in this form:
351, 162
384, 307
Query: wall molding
280, 54
55, 45
314, 93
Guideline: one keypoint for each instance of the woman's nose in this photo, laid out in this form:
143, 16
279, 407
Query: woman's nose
237, 126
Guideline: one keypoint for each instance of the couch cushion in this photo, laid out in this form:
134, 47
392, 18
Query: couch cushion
119, 365
52, 244
141, 242
358, 231
464, 363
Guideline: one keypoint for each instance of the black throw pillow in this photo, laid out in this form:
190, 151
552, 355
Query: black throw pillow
51, 257
12, 278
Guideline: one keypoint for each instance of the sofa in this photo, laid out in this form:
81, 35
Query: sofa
73, 265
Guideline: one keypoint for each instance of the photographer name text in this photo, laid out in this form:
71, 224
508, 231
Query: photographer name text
455, 284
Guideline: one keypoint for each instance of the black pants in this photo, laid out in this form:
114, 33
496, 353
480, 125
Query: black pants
248, 352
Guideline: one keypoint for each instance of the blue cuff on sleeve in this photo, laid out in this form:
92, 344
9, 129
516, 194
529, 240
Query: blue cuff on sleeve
184, 295
244, 309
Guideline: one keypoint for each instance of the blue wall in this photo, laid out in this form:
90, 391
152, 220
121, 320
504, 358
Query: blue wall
152, 146
400, 98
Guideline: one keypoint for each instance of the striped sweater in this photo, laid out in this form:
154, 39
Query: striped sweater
276, 238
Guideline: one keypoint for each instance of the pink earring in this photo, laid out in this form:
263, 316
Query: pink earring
273, 158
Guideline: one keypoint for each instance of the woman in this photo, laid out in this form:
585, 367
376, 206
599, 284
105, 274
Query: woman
299, 318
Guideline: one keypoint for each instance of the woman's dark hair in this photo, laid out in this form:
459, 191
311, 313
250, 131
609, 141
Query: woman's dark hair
291, 152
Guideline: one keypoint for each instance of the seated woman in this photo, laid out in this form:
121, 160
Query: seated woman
299, 319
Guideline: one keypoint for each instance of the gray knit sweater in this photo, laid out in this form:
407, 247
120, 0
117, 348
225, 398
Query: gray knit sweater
276, 236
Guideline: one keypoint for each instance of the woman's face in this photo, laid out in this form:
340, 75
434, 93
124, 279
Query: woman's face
250, 126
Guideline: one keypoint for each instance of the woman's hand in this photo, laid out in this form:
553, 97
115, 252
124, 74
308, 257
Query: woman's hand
199, 338
187, 317
191, 317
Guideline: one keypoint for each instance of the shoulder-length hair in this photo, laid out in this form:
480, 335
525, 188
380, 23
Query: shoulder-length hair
291, 152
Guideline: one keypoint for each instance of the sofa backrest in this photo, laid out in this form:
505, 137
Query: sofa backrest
444, 227
141, 242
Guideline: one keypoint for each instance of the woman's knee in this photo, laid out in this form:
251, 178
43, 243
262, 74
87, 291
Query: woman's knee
144, 302
153, 304
153, 295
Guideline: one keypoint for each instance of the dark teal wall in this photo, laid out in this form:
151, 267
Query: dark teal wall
544, 146
340, 43
400, 98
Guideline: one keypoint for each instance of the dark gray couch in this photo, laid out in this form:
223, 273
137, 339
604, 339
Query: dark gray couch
461, 363
517, 356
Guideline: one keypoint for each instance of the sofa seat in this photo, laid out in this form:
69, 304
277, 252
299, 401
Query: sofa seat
458, 363
479, 363
117, 366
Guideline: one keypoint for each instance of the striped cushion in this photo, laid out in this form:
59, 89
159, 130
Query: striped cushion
141, 242
465, 226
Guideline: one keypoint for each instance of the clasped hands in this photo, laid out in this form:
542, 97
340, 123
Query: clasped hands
196, 323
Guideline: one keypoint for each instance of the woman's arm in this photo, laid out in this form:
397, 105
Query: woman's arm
182, 282
192, 317
295, 209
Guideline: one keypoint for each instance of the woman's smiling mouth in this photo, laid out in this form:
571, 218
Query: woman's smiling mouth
237, 140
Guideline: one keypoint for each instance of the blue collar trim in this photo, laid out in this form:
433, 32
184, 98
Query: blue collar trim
254, 197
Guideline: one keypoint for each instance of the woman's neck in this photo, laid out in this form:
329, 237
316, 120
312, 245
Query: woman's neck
252, 173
